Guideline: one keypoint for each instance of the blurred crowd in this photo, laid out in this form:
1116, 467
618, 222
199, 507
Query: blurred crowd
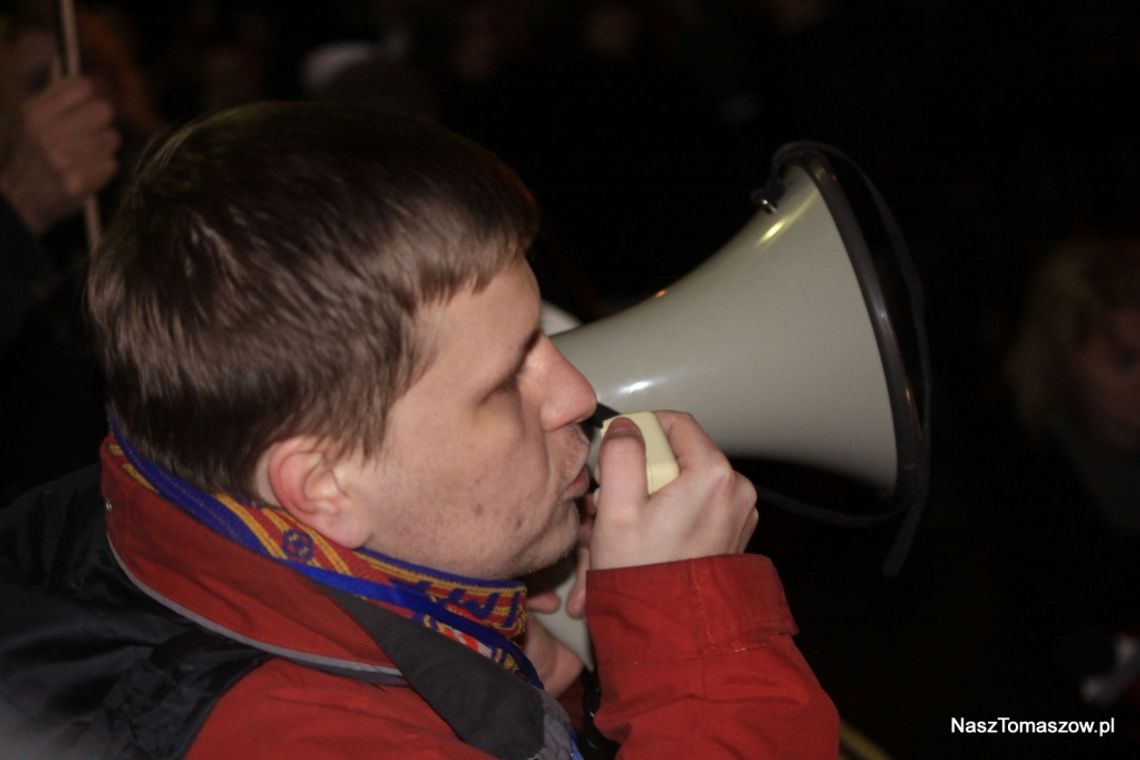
1000, 132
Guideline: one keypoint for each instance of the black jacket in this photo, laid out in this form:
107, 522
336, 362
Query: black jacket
89, 666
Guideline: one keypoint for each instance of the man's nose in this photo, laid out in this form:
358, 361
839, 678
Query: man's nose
571, 398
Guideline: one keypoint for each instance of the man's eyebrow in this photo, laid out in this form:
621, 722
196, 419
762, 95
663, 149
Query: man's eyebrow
519, 357
524, 349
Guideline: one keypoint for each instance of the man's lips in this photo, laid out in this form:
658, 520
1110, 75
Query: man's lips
580, 485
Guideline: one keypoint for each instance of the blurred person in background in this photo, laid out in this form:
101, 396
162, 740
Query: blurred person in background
61, 142
1070, 527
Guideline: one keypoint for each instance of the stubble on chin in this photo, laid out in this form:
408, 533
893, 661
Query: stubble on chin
549, 551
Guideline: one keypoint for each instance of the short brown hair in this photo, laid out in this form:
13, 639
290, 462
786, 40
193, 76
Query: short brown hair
262, 277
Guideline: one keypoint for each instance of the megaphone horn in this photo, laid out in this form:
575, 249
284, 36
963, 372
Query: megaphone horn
786, 344
801, 340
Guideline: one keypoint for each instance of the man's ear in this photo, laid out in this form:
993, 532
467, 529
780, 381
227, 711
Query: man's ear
301, 475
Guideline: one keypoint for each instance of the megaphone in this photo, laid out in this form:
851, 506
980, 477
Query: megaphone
800, 341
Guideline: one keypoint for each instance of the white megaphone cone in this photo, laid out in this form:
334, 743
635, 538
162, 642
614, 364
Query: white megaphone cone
800, 340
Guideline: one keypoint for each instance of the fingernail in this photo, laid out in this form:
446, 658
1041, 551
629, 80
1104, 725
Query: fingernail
622, 426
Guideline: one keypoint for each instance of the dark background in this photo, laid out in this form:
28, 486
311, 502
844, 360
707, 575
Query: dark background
994, 129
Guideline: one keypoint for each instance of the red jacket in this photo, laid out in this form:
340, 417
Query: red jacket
696, 658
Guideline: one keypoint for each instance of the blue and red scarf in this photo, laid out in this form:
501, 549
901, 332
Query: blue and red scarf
482, 615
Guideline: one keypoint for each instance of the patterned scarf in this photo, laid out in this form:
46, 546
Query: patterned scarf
482, 615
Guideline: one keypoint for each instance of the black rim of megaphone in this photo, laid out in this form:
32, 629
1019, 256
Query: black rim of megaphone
892, 293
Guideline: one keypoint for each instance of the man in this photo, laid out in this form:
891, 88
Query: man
338, 435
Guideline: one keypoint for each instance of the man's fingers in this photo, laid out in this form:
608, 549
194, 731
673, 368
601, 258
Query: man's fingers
92, 116
690, 443
91, 150
544, 601
59, 98
68, 116
709, 509
621, 465
576, 599
78, 182
106, 142
92, 120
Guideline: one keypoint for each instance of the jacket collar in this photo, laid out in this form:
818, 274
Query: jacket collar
244, 596
225, 587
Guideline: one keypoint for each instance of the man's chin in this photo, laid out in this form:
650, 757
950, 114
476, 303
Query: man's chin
555, 552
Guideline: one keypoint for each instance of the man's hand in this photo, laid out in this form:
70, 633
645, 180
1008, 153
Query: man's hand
709, 509
62, 149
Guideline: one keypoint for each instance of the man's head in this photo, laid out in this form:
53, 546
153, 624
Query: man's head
264, 274
329, 309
